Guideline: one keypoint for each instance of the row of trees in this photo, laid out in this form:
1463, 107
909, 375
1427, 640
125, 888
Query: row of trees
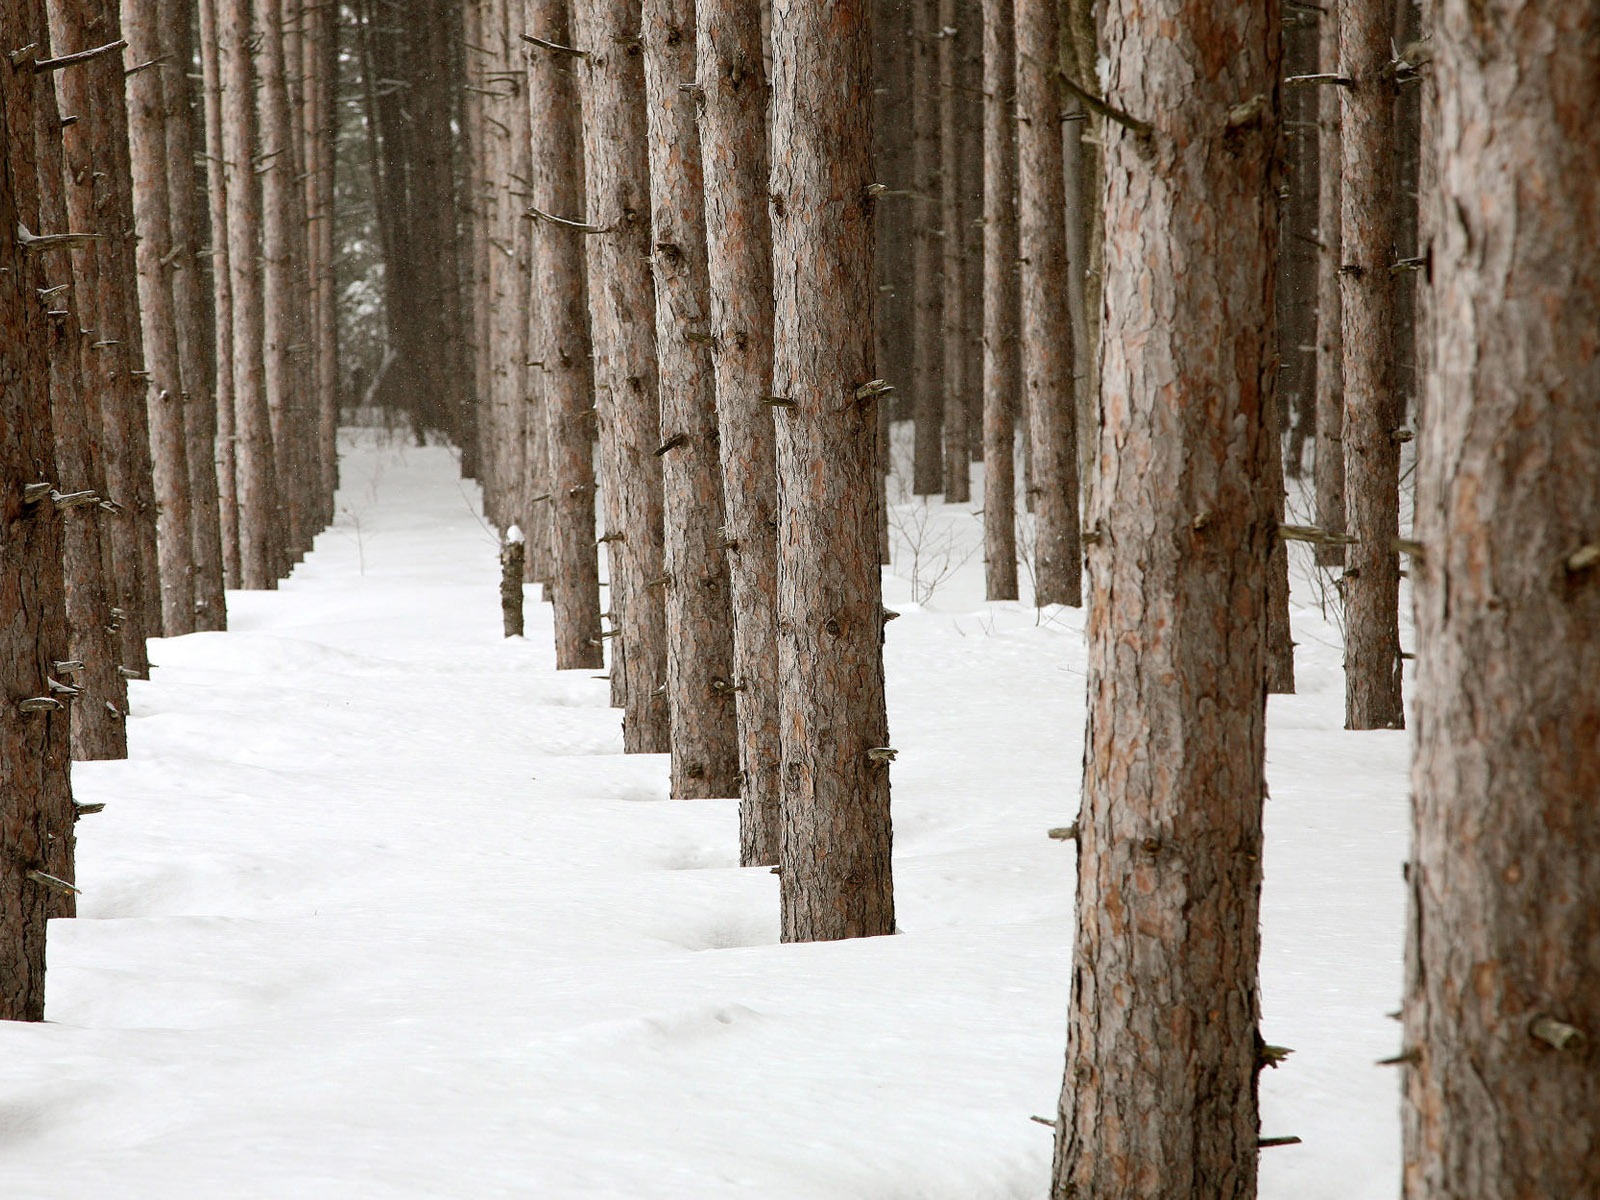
170, 373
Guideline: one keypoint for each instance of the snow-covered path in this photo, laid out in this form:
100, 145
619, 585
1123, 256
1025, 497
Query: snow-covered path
379, 909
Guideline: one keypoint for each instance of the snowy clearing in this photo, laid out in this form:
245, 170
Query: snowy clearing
378, 909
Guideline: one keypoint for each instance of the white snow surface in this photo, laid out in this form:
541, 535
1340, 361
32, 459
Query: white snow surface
378, 909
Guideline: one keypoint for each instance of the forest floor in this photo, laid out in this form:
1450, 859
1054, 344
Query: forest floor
378, 909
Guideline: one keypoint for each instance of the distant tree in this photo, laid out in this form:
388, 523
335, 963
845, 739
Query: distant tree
1163, 1051
1002, 364
733, 140
1373, 409
1502, 1006
1328, 469
34, 760
952, 215
176, 41
561, 346
622, 315
1047, 364
835, 877
260, 535
927, 262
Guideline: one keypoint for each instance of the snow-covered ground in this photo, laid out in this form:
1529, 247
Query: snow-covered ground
378, 909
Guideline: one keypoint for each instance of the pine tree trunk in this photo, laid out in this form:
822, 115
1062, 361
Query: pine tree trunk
1297, 274
563, 350
834, 856
622, 311
221, 296
1079, 41
1329, 465
34, 752
1002, 363
152, 219
199, 408
98, 728
255, 474
733, 139
1046, 322
71, 474
704, 728
969, 165
278, 293
1372, 414
956, 486
1159, 1096
927, 269
1502, 1008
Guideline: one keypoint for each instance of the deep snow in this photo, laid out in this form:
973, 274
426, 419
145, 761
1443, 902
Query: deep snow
379, 909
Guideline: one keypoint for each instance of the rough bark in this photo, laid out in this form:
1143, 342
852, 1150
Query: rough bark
927, 272
199, 408
733, 140
704, 727
1079, 51
563, 349
1159, 1097
221, 296
34, 758
279, 294
956, 480
1297, 258
255, 475
1373, 407
1046, 322
1002, 363
1500, 1102
1329, 462
622, 312
98, 729
152, 219
835, 878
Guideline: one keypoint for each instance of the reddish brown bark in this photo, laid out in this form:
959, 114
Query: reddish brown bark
834, 857
957, 480
562, 348
1159, 1095
622, 312
34, 758
1046, 321
1502, 1008
98, 729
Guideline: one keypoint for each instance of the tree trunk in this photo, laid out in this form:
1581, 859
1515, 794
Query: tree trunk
834, 856
1502, 1007
1297, 274
1079, 41
1372, 399
199, 408
704, 727
1329, 465
927, 273
255, 475
733, 139
279, 300
98, 728
957, 478
34, 756
563, 349
1046, 321
1159, 1097
1002, 363
622, 310
152, 218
